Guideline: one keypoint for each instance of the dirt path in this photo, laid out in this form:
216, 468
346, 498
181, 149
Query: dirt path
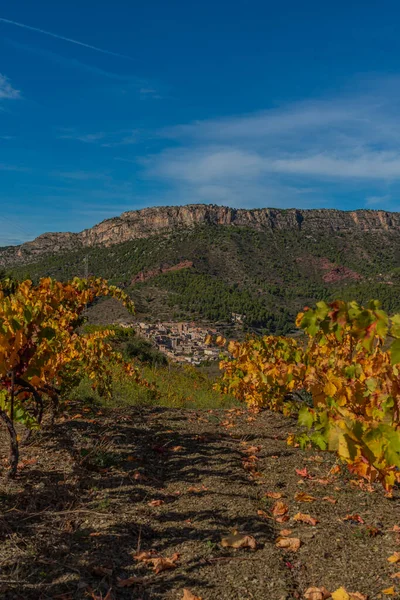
86, 501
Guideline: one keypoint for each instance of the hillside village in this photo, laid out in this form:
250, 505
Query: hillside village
181, 342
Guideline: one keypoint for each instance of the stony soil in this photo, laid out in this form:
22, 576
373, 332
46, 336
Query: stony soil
82, 507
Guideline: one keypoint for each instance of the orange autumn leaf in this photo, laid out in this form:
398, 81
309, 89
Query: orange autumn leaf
155, 502
304, 518
285, 532
187, 595
316, 593
394, 558
239, 540
303, 497
303, 473
274, 495
279, 509
330, 499
163, 564
288, 543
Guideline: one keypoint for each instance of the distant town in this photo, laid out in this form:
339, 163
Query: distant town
181, 342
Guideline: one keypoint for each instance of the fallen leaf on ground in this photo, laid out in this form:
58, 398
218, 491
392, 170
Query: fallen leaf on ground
291, 544
163, 564
305, 519
279, 509
177, 448
239, 540
330, 499
156, 502
303, 473
342, 594
145, 556
316, 593
395, 558
355, 518
187, 595
395, 575
263, 514
303, 497
389, 591
129, 582
252, 449
285, 532
274, 495
335, 470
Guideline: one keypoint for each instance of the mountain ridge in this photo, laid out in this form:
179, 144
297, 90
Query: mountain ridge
143, 223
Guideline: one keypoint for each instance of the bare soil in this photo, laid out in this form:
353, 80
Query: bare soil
82, 507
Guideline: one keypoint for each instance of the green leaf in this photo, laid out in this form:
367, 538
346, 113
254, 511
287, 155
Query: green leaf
306, 417
395, 352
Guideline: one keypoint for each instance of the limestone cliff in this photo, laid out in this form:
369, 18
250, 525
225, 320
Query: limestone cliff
151, 221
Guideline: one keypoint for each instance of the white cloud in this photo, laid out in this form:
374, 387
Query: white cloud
331, 145
7, 91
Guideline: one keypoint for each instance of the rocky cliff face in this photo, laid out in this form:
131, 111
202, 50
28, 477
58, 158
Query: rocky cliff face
151, 221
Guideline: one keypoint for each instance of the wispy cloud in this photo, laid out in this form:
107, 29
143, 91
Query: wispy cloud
150, 93
17, 168
7, 91
80, 175
73, 63
65, 39
327, 145
122, 137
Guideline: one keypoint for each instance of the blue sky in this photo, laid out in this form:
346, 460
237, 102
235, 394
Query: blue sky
107, 107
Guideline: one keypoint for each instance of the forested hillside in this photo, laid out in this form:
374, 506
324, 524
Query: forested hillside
266, 276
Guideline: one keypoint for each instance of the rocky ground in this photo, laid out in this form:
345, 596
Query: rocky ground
134, 504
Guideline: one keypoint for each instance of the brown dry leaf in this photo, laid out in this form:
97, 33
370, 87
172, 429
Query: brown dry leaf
177, 448
252, 449
330, 499
317, 593
155, 502
145, 556
395, 558
303, 497
395, 528
187, 595
303, 473
290, 544
305, 519
129, 582
395, 575
274, 495
279, 509
355, 518
285, 532
357, 596
163, 564
335, 470
263, 514
239, 540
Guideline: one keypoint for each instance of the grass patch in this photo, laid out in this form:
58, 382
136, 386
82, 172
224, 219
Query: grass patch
178, 387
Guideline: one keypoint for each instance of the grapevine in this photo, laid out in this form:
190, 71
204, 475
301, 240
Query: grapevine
349, 363
42, 354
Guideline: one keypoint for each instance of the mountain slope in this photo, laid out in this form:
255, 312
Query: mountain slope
144, 223
264, 270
